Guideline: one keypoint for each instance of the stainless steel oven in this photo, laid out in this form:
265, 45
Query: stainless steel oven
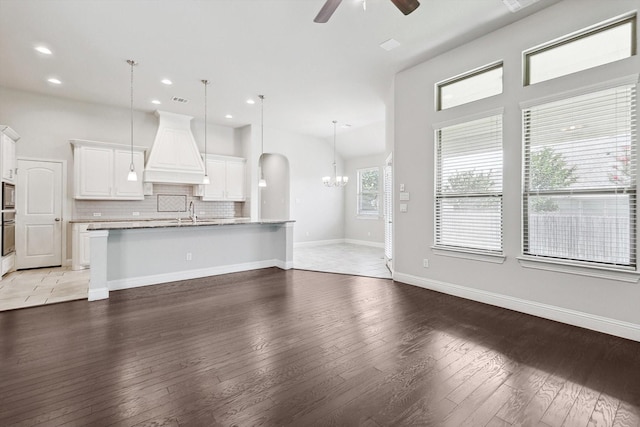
8, 196
8, 218
8, 232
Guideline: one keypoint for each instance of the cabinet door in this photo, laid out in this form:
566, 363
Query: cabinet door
217, 176
94, 174
8, 158
84, 252
235, 180
125, 189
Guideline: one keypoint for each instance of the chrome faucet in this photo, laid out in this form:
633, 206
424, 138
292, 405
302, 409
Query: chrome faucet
192, 212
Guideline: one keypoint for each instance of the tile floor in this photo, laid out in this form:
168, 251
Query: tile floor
28, 288
345, 258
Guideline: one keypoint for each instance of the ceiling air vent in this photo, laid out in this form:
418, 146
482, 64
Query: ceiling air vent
516, 5
180, 99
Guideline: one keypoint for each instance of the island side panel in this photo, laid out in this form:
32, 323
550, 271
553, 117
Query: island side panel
98, 286
145, 256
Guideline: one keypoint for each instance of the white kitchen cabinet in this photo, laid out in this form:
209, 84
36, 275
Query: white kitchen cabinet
81, 246
227, 177
9, 164
101, 169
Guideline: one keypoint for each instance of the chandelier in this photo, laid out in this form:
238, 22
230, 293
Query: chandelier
336, 180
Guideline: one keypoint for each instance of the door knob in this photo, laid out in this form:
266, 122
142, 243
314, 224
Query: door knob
57, 219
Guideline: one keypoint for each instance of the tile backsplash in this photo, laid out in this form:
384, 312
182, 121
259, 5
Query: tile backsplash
149, 207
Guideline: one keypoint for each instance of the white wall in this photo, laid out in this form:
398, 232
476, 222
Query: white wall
602, 304
370, 230
317, 210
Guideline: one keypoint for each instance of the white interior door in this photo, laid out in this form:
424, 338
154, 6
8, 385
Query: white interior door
388, 213
38, 214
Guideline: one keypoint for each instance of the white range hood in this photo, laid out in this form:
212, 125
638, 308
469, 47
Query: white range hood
174, 156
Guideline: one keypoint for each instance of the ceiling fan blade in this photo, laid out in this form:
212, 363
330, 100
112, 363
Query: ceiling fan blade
406, 6
327, 10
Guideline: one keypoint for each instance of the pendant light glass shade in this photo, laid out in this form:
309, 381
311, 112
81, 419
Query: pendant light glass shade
205, 179
132, 175
262, 182
337, 180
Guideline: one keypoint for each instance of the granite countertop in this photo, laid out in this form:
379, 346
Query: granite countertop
104, 220
172, 223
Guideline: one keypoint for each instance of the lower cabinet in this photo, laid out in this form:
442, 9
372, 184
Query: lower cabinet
8, 263
81, 249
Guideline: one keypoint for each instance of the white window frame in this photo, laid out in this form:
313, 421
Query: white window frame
589, 269
367, 214
491, 256
576, 36
466, 76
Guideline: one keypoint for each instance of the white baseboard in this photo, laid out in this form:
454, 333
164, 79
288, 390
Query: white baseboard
572, 317
134, 282
364, 243
283, 265
318, 243
338, 241
98, 294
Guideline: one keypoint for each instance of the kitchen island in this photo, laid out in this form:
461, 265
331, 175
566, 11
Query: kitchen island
140, 253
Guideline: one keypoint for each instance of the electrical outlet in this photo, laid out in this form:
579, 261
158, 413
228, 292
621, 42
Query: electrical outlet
425, 263
189, 256
97, 214
403, 207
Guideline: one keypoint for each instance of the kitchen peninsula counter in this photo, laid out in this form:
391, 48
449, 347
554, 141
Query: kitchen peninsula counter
127, 254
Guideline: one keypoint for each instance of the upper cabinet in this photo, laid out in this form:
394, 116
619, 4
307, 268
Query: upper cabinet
227, 177
8, 147
101, 169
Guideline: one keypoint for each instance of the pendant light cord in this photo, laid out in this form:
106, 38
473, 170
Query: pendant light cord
335, 167
261, 124
205, 82
132, 63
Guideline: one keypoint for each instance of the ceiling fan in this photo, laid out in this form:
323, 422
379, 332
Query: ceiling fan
330, 6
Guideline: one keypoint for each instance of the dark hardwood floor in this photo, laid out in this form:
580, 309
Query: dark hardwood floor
301, 348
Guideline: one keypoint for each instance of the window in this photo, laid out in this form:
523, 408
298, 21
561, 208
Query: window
579, 200
368, 192
469, 185
603, 44
472, 86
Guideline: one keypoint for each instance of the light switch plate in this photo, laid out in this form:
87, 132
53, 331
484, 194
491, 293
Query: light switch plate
404, 196
401, 187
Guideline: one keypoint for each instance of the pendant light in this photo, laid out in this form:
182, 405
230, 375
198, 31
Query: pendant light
205, 180
262, 182
132, 176
338, 180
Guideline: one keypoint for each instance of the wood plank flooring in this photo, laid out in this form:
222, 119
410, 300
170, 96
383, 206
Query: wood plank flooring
300, 348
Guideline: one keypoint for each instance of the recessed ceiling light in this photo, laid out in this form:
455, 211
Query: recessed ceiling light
390, 44
54, 81
166, 81
228, 116
251, 101
43, 49
346, 125
155, 101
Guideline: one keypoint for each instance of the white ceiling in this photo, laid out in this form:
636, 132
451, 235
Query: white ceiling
309, 73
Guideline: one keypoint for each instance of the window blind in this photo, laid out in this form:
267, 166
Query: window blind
469, 185
579, 167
